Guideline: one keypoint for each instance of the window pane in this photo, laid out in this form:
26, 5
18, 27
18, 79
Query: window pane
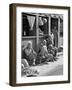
28, 25
43, 25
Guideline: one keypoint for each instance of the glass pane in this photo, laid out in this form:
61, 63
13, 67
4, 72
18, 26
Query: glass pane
43, 25
54, 30
28, 25
61, 27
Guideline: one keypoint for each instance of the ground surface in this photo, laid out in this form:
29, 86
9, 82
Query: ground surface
51, 68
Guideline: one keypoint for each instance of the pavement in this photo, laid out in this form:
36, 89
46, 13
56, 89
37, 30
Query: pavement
51, 68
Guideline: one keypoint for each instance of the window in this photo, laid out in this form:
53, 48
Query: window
28, 25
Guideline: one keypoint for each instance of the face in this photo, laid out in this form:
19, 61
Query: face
44, 20
29, 45
44, 42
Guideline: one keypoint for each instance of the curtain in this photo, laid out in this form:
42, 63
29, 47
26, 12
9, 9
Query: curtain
31, 20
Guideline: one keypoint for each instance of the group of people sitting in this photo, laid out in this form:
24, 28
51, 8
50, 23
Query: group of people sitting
44, 54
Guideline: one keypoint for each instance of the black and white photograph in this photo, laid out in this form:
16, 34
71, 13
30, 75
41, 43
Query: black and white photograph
42, 44
40, 49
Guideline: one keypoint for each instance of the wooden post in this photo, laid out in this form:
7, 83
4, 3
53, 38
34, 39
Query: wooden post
58, 32
49, 25
37, 32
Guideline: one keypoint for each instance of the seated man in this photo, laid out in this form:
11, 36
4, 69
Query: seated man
52, 50
44, 51
29, 54
44, 55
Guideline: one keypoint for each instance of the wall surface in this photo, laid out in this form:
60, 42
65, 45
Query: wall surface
4, 45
